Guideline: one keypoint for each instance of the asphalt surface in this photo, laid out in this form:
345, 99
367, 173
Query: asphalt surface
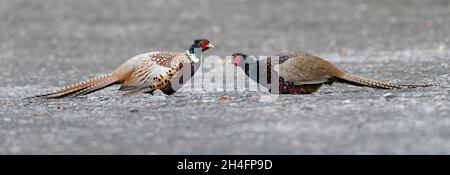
45, 44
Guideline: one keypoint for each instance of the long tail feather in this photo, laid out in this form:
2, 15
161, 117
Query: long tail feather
81, 88
363, 81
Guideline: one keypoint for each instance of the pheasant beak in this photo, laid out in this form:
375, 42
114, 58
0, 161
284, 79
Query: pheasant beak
210, 45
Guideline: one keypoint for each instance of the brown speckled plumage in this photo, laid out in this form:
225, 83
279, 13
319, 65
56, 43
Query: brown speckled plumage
304, 73
142, 73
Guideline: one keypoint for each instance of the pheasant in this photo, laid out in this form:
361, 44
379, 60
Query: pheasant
304, 73
145, 73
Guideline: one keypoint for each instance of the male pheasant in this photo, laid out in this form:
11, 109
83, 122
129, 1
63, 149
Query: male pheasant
146, 73
303, 73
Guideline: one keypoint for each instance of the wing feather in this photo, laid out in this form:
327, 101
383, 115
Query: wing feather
143, 75
155, 71
303, 68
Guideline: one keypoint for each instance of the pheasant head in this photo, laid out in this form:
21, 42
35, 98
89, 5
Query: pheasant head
200, 45
250, 65
240, 59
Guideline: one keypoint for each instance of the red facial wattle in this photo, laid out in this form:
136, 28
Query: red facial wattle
203, 44
235, 60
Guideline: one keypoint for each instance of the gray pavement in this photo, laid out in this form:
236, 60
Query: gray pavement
45, 44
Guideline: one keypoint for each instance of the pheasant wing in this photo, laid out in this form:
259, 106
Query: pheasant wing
143, 75
154, 72
303, 68
168, 59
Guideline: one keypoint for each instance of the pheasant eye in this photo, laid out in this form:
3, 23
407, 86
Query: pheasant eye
200, 45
